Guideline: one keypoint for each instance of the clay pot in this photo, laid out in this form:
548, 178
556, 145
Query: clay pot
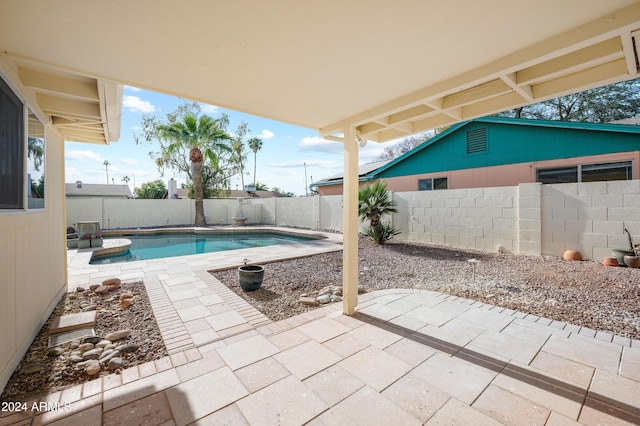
620, 254
572, 255
610, 261
632, 261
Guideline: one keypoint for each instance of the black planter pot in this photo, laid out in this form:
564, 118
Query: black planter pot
250, 277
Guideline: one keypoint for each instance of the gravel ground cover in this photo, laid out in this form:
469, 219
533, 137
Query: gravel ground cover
583, 293
41, 371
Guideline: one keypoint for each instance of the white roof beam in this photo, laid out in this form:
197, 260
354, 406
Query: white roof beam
476, 94
525, 91
57, 85
67, 107
587, 57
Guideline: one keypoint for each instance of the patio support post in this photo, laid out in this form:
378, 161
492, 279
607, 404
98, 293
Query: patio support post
350, 222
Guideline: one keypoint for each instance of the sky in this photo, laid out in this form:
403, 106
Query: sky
280, 162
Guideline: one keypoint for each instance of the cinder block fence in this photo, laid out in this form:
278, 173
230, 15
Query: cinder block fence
530, 218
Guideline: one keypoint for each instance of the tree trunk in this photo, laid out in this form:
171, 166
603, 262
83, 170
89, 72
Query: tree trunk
195, 155
254, 166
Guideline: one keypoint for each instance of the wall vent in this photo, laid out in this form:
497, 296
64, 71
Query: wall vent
477, 140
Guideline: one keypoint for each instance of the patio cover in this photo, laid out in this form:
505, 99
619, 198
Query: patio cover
377, 69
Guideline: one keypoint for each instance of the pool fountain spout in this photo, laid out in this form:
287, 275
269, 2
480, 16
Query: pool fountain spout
241, 218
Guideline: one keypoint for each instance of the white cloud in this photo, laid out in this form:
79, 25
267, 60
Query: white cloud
135, 104
208, 109
86, 155
132, 89
129, 161
286, 172
266, 134
317, 144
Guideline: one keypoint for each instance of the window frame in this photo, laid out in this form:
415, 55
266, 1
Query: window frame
432, 186
628, 164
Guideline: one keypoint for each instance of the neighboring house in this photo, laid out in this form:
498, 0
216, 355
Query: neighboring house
79, 189
497, 151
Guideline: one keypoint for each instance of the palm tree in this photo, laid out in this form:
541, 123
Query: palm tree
126, 180
106, 169
195, 132
238, 148
255, 144
373, 203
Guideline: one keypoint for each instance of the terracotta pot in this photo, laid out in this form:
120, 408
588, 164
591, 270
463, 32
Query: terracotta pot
632, 261
572, 255
610, 261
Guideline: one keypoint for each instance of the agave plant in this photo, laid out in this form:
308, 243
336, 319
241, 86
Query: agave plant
374, 201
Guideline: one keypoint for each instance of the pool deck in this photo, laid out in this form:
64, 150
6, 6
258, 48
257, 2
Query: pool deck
406, 357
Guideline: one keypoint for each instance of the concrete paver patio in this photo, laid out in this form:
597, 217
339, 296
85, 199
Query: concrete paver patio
405, 357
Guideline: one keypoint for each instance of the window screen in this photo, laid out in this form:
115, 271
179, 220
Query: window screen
607, 171
11, 149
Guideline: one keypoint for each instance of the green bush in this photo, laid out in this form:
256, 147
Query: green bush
381, 233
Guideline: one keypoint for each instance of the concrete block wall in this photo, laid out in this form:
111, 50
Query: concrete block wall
526, 219
590, 217
477, 218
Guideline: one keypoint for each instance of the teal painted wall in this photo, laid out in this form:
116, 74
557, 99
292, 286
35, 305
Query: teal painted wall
511, 144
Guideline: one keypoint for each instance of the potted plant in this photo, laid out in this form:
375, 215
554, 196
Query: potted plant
250, 276
629, 257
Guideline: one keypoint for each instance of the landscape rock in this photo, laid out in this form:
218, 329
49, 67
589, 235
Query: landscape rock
114, 363
306, 300
33, 368
92, 368
89, 308
85, 347
335, 298
112, 282
325, 298
92, 354
102, 343
120, 334
57, 351
361, 289
55, 376
90, 339
125, 303
75, 358
129, 347
93, 287
80, 289
125, 296
112, 354
101, 290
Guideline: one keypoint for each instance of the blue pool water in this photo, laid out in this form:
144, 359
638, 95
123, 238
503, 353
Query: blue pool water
144, 247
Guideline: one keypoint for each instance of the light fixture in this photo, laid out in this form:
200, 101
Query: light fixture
360, 140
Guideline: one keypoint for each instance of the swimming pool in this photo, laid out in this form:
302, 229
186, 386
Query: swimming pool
157, 246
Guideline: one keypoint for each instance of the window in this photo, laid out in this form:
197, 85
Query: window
477, 141
11, 149
35, 162
587, 173
434, 184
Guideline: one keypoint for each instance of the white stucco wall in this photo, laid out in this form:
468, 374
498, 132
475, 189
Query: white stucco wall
32, 263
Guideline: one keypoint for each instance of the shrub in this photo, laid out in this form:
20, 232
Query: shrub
381, 233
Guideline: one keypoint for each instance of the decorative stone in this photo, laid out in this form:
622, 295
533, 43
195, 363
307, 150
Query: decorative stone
305, 300
125, 296
92, 287
129, 347
57, 351
117, 335
101, 290
335, 298
361, 289
112, 282
105, 354
90, 339
125, 303
572, 255
86, 347
92, 368
103, 343
114, 363
326, 290
323, 299
92, 354
90, 308
112, 354
110, 346
79, 289
72, 296
33, 368
75, 358
55, 376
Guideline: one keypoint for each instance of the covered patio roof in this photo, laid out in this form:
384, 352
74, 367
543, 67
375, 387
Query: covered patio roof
377, 70
389, 69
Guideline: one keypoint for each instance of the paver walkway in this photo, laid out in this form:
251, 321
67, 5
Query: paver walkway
406, 357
